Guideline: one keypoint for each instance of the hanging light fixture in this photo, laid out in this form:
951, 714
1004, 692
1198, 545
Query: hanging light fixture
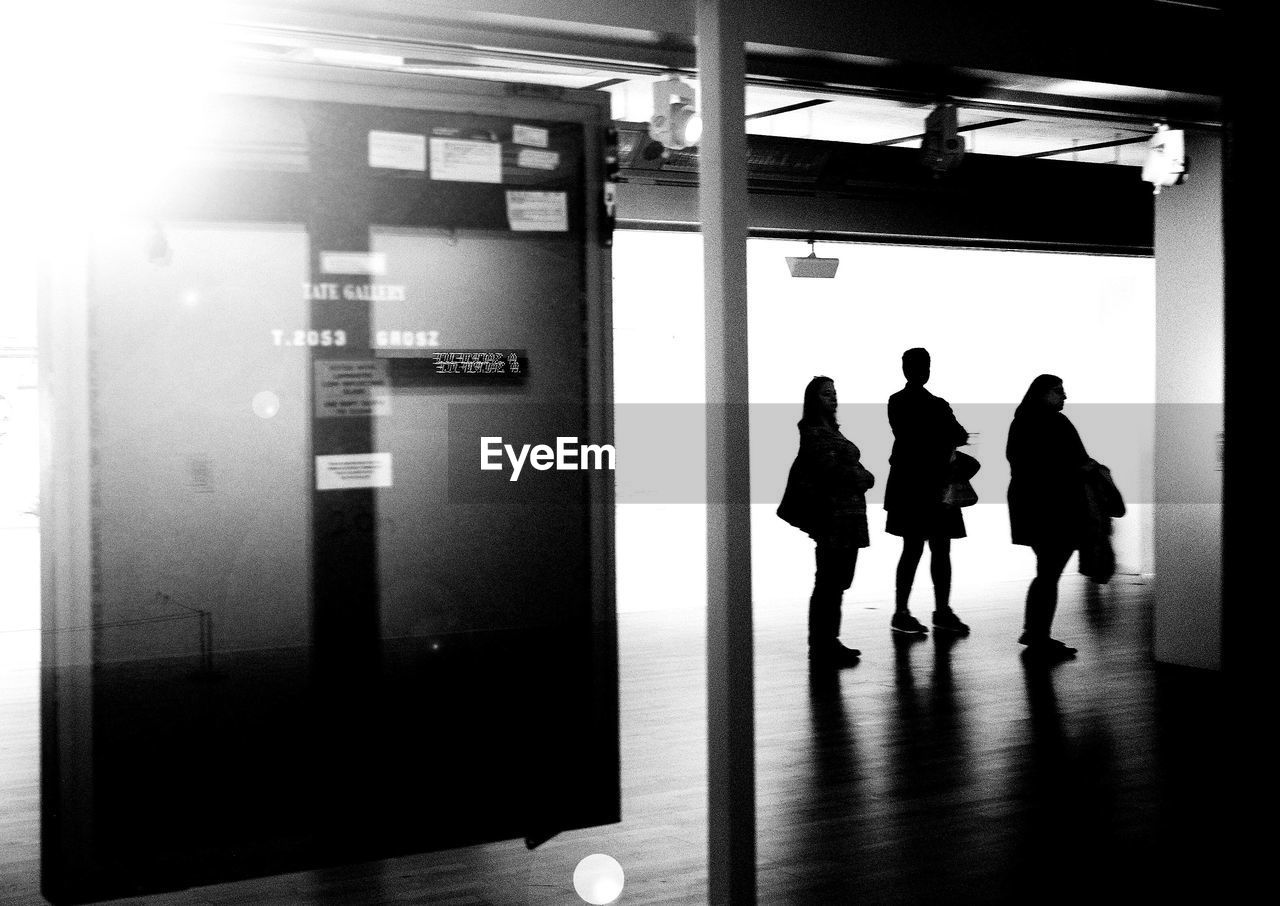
811, 265
675, 123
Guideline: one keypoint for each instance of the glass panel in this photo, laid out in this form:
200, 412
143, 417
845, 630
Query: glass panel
321, 630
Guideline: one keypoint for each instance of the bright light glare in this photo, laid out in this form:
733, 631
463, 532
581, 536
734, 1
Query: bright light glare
598, 879
693, 130
112, 98
356, 58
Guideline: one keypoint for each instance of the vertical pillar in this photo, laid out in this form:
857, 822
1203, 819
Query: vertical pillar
722, 198
67, 569
345, 597
1189, 387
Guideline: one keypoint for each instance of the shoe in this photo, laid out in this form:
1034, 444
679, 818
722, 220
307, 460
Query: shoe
1029, 640
905, 622
946, 619
1050, 649
835, 656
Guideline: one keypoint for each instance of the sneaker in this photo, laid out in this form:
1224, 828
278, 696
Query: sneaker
1028, 639
835, 656
1050, 649
905, 622
947, 619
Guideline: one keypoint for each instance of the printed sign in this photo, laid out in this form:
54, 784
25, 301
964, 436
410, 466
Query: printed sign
538, 160
372, 263
348, 389
546, 211
353, 470
463, 160
397, 150
534, 136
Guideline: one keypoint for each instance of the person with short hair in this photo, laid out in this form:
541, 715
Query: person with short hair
925, 434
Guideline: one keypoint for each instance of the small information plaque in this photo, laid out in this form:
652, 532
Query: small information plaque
353, 470
466, 367
543, 211
352, 388
463, 160
397, 150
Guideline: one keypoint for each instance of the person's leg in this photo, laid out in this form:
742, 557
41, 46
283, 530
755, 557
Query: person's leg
818, 601
903, 621
940, 572
1042, 596
912, 549
836, 560
836, 563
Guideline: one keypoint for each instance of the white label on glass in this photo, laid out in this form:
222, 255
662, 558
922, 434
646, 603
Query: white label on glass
352, 388
547, 211
463, 160
535, 136
538, 160
353, 470
398, 150
374, 263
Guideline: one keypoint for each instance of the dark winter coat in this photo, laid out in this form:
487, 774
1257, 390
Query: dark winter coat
826, 488
1047, 460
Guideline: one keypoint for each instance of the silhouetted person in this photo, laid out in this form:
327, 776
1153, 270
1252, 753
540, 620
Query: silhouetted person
1048, 468
825, 498
925, 434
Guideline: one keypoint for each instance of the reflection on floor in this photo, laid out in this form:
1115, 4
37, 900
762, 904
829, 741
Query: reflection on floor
936, 771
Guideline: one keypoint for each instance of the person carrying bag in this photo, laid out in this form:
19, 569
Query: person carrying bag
825, 499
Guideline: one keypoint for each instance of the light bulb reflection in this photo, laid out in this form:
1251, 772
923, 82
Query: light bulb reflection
266, 404
693, 129
598, 879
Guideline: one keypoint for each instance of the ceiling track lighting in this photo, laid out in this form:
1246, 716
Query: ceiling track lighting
675, 123
812, 266
1166, 163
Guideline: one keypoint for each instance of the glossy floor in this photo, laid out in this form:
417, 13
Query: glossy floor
937, 770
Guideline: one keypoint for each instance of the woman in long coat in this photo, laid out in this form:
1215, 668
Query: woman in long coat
826, 498
1047, 504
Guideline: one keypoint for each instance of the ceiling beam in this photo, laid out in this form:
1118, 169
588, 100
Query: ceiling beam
803, 105
1129, 61
987, 124
1095, 146
607, 83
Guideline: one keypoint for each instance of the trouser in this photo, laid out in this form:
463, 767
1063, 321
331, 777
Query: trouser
836, 560
1042, 596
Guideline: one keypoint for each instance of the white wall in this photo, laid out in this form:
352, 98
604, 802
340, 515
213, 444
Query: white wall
992, 321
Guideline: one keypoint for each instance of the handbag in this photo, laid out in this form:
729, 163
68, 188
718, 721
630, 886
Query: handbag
959, 492
796, 507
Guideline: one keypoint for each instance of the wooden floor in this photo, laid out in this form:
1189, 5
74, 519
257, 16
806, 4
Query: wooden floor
933, 772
